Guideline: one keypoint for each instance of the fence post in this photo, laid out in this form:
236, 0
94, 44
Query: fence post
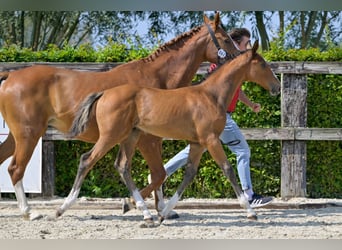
293, 114
48, 169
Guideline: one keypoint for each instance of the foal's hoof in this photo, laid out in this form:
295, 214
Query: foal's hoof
161, 219
32, 216
59, 213
127, 205
148, 223
172, 215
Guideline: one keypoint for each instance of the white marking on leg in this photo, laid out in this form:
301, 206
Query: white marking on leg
21, 198
245, 204
70, 200
139, 201
170, 205
22, 202
161, 203
159, 193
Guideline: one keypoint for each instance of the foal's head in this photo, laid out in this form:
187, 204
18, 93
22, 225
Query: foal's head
260, 72
221, 47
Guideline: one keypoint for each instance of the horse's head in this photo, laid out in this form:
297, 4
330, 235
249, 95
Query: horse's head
221, 47
260, 72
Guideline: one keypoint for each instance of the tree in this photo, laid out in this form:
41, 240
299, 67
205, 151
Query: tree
290, 29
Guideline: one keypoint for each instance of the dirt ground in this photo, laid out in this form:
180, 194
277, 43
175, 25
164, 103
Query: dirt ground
199, 219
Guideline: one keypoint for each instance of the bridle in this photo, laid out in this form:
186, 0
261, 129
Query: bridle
222, 55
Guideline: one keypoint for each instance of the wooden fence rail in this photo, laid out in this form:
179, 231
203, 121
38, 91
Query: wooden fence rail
293, 131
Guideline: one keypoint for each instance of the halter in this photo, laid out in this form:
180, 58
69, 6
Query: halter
222, 55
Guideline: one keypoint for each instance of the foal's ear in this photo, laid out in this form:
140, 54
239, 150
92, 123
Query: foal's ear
255, 46
206, 19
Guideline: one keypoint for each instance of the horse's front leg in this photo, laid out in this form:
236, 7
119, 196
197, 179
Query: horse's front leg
216, 151
196, 151
123, 165
16, 169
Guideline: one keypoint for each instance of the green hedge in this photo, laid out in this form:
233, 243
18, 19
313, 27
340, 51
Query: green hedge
324, 175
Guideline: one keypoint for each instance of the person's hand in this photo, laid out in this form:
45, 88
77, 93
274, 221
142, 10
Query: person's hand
256, 107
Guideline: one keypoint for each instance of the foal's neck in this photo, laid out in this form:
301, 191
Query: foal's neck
226, 81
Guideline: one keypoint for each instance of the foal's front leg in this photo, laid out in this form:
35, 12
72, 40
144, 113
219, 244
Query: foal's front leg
216, 151
196, 151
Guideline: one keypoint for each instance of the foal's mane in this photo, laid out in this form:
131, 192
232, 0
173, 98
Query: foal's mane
174, 42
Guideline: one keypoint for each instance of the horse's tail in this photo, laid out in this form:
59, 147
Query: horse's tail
80, 122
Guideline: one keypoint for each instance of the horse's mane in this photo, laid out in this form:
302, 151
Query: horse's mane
175, 41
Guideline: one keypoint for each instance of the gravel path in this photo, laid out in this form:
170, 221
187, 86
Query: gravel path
199, 219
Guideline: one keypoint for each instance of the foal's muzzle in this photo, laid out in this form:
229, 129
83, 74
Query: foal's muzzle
275, 90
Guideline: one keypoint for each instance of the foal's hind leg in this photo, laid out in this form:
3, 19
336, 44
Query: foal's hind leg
123, 165
196, 151
216, 151
87, 162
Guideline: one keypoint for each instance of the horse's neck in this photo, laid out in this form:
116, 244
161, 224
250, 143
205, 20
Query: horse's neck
172, 67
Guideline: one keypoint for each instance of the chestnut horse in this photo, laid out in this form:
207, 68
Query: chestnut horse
33, 98
194, 113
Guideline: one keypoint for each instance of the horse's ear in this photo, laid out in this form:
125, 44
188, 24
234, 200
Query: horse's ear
206, 19
217, 20
255, 46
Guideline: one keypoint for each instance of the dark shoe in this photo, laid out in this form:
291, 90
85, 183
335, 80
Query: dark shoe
259, 200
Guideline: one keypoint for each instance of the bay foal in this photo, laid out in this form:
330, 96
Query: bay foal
195, 113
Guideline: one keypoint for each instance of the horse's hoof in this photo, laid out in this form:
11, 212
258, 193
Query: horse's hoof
252, 217
127, 205
148, 223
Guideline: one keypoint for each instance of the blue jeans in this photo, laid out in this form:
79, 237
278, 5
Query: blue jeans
236, 142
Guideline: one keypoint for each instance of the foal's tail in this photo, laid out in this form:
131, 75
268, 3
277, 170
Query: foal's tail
80, 122
3, 76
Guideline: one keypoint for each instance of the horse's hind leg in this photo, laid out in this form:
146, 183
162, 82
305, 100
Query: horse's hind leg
196, 151
216, 151
7, 148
